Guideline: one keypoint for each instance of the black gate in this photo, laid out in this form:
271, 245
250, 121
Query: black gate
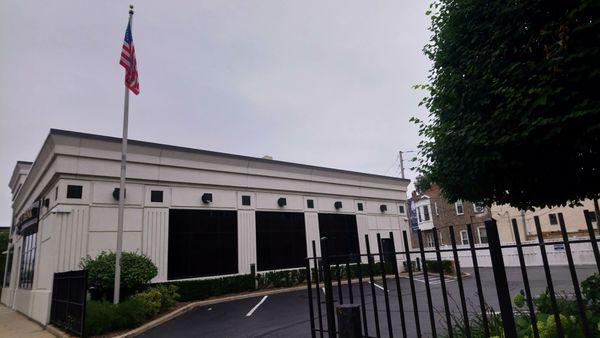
68, 301
385, 302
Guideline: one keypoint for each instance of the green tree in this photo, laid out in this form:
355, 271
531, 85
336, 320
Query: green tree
514, 102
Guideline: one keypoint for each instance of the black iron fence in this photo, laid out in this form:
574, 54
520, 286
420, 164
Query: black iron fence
68, 301
381, 300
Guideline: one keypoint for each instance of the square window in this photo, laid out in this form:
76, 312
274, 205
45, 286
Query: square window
245, 199
310, 204
156, 196
74, 191
401, 209
553, 219
360, 206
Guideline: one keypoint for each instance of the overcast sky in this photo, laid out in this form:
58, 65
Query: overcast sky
319, 82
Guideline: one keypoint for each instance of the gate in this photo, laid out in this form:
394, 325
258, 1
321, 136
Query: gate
69, 292
385, 301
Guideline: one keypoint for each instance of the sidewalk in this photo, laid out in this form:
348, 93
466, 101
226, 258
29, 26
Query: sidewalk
14, 324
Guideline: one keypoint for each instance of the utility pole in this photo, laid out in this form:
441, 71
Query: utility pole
401, 164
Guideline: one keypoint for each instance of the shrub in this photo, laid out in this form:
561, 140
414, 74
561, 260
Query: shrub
151, 300
285, 278
100, 317
446, 266
132, 312
205, 288
136, 270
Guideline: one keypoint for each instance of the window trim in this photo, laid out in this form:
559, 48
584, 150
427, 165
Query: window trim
27, 261
464, 238
402, 209
479, 235
426, 213
461, 205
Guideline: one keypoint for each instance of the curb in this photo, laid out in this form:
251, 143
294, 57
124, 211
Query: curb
176, 313
53, 330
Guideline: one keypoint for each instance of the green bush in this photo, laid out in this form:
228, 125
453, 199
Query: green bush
132, 313
276, 279
100, 317
151, 300
205, 288
169, 295
136, 270
446, 266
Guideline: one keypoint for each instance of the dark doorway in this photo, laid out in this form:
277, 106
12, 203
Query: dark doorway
202, 243
387, 249
341, 233
280, 240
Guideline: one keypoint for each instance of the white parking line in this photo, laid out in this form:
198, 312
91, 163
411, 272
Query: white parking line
256, 306
377, 285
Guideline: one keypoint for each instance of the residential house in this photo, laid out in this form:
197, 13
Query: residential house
433, 212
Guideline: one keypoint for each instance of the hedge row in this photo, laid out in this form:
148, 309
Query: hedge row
446, 266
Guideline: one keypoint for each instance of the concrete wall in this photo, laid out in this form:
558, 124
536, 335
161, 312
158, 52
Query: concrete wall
582, 255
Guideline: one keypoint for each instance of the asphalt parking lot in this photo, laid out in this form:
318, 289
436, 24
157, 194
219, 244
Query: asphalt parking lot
286, 314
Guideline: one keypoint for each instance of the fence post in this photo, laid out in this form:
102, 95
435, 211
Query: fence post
349, 321
504, 297
328, 289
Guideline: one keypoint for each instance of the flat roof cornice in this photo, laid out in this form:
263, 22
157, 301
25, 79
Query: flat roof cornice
70, 133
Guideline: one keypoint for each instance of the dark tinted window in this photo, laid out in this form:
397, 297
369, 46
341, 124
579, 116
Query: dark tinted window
74, 191
156, 196
401, 209
280, 240
245, 200
553, 219
310, 204
341, 233
360, 206
202, 243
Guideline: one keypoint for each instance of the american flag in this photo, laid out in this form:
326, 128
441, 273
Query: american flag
129, 63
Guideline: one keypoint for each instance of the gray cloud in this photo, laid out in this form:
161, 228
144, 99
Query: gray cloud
317, 82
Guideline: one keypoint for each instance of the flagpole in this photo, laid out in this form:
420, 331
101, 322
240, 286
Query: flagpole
117, 286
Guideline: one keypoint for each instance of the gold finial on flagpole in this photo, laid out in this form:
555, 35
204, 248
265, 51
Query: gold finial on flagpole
130, 9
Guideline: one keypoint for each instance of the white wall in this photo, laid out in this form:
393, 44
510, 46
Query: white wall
582, 255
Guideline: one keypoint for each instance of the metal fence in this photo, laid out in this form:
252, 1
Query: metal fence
69, 292
391, 311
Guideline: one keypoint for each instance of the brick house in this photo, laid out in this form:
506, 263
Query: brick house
433, 212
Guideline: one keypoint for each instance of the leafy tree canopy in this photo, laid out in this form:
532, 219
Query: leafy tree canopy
514, 101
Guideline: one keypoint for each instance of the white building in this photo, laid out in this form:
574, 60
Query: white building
195, 213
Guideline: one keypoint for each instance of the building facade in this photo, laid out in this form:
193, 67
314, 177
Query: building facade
574, 218
433, 213
194, 213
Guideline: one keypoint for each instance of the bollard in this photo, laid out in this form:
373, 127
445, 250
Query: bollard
253, 273
349, 324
